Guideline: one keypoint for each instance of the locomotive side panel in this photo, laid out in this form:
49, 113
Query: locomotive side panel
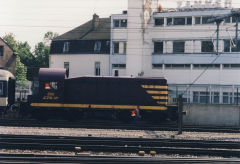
115, 91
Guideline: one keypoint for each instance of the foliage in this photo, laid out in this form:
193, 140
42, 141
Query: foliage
48, 37
32, 60
41, 54
21, 70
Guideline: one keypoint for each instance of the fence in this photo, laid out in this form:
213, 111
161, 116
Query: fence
23, 89
205, 93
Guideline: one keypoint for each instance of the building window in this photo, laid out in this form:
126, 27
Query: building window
179, 21
207, 46
227, 98
236, 98
236, 47
169, 21
195, 97
97, 47
97, 68
158, 47
66, 47
116, 72
159, 22
234, 19
124, 48
1, 50
120, 23
177, 66
116, 23
204, 97
66, 66
116, 47
227, 20
230, 46
178, 47
215, 97
189, 20
123, 23
120, 66
205, 20
197, 20
227, 46
157, 66
204, 66
231, 66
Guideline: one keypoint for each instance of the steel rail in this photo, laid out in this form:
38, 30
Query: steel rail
33, 158
117, 125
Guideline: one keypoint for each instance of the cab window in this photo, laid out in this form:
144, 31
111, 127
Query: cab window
51, 86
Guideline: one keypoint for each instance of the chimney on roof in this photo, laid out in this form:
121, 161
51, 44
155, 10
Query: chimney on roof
95, 21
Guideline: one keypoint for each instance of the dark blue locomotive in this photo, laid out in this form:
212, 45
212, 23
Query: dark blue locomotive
116, 97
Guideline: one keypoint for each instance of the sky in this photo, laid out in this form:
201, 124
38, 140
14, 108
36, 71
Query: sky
29, 20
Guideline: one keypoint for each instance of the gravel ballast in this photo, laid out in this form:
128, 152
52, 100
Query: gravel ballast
82, 132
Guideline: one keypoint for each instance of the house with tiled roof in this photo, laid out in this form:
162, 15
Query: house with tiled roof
84, 50
7, 57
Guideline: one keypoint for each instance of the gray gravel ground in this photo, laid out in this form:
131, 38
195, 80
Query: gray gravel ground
112, 133
119, 133
5, 151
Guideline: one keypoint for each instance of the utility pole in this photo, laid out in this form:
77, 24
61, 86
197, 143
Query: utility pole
218, 22
180, 114
236, 35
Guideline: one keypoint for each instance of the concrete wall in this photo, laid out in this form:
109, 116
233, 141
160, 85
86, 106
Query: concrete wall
219, 115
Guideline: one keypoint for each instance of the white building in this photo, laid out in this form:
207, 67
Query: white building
179, 45
83, 50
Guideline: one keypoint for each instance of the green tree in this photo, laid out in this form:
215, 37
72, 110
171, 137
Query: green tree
48, 37
10, 39
21, 71
24, 51
20, 68
32, 60
41, 54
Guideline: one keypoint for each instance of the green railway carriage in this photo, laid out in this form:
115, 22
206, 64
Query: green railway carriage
118, 96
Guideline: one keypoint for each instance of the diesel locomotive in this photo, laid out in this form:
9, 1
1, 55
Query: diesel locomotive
117, 97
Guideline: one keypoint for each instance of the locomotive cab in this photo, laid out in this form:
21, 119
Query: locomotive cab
49, 86
47, 89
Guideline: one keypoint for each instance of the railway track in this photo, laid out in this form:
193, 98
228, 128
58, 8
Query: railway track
31, 158
93, 124
122, 145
